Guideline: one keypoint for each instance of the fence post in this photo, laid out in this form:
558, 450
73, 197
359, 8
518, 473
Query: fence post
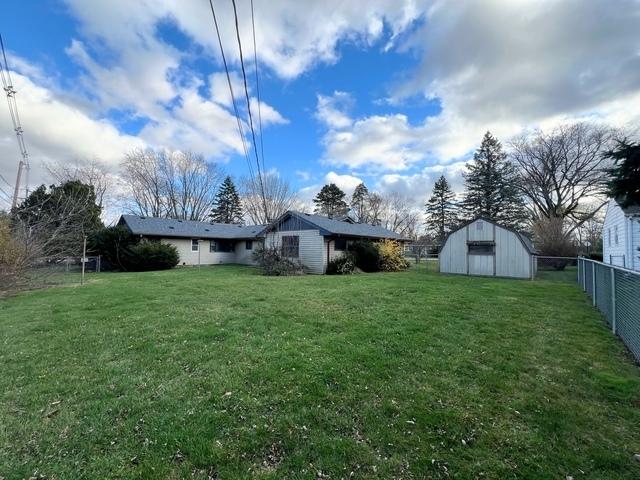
584, 275
613, 300
593, 282
579, 276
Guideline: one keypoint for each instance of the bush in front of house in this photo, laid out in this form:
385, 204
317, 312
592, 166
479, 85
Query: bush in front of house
147, 256
343, 265
366, 255
392, 256
272, 262
124, 251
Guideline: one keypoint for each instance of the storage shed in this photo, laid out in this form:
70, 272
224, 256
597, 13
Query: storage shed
483, 247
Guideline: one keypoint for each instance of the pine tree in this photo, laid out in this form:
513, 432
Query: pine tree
330, 201
624, 185
491, 186
441, 210
359, 202
227, 207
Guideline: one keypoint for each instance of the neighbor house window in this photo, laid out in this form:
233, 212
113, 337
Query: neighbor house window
609, 236
291, 246
615, 233
221, 246
482, 248
195, 244
340, 245
248, 245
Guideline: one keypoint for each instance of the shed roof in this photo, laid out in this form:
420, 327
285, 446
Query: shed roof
170, 227
341, 227
524, 238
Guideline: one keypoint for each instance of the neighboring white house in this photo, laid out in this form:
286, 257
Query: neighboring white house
483, 247
621, 236
199, 243
315, 240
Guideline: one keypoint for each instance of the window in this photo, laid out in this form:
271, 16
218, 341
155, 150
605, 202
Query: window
615, 233
195, 244
481, 248
340, 244
290, 246
248, 245
220, 246
479, 226
609, 236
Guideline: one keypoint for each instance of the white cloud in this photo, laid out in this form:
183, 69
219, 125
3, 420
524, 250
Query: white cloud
346, 183
56, 129
330, 110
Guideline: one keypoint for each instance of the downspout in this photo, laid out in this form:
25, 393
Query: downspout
328, 255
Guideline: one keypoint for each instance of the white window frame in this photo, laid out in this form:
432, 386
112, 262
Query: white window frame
195, 247
615, 233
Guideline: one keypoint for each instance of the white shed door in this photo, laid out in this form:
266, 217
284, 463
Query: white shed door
481, 265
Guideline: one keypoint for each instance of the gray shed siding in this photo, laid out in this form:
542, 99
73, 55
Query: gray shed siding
511, 258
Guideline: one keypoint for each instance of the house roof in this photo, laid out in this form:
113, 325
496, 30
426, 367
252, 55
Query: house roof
632, 211
342, 227
170, 227
524, 239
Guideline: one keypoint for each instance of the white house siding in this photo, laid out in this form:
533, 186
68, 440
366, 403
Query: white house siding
615, 253
187, 257
311, 247
333, 253
244, 256
634, 227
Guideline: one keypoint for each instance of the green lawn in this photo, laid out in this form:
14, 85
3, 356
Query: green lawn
222, 373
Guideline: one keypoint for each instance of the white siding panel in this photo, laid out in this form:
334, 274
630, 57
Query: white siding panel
481, 265
311, 247
615, 252
635, 242
187, 257
512, 258
244, 256
480, 231
453, 256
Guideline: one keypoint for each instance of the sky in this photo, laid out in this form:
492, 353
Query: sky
393, 93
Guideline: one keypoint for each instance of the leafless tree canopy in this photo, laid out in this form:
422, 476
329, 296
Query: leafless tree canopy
170, 184
392, 211
278, 198
90, 172
562, 169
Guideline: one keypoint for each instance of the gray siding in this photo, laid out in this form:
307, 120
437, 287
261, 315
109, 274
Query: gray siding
623, 250
311, 247
511, 258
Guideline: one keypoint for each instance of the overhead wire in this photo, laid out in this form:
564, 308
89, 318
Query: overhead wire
255, 62
246, 93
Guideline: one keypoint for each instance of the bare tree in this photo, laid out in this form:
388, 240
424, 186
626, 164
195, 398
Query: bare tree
395, 212
278, 198
563, 171
90, 172
172, 184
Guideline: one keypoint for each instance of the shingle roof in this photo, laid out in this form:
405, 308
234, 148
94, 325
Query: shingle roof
169, 227
524, 238
341, 227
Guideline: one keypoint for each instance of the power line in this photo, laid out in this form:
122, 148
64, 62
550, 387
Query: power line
255, 62
5, 74
233, 99
246, 94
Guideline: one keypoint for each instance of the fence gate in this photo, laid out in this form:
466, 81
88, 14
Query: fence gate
615, 291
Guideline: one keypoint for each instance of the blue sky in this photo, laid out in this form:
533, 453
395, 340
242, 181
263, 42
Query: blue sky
393, 93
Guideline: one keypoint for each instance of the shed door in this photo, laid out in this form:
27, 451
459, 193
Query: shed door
481, 248
481, 265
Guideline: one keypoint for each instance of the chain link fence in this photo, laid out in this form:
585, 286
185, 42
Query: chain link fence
49, 272
561, 269
615, 291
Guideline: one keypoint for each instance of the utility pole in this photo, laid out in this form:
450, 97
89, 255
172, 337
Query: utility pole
23, 164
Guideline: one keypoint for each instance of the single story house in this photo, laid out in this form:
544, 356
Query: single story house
314, 240
483, 247
199, 243
621, 236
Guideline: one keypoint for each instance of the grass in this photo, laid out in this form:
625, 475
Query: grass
222, 373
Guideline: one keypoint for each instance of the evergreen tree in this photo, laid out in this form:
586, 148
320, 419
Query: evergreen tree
491, 186
359, 202
227, 207
441, 210
624, 185
330, 201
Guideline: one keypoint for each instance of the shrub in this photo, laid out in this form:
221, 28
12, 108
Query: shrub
392, 256
153, 256
13, 259
343, 265
552, 239
366, 255
124, 251
272, 262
